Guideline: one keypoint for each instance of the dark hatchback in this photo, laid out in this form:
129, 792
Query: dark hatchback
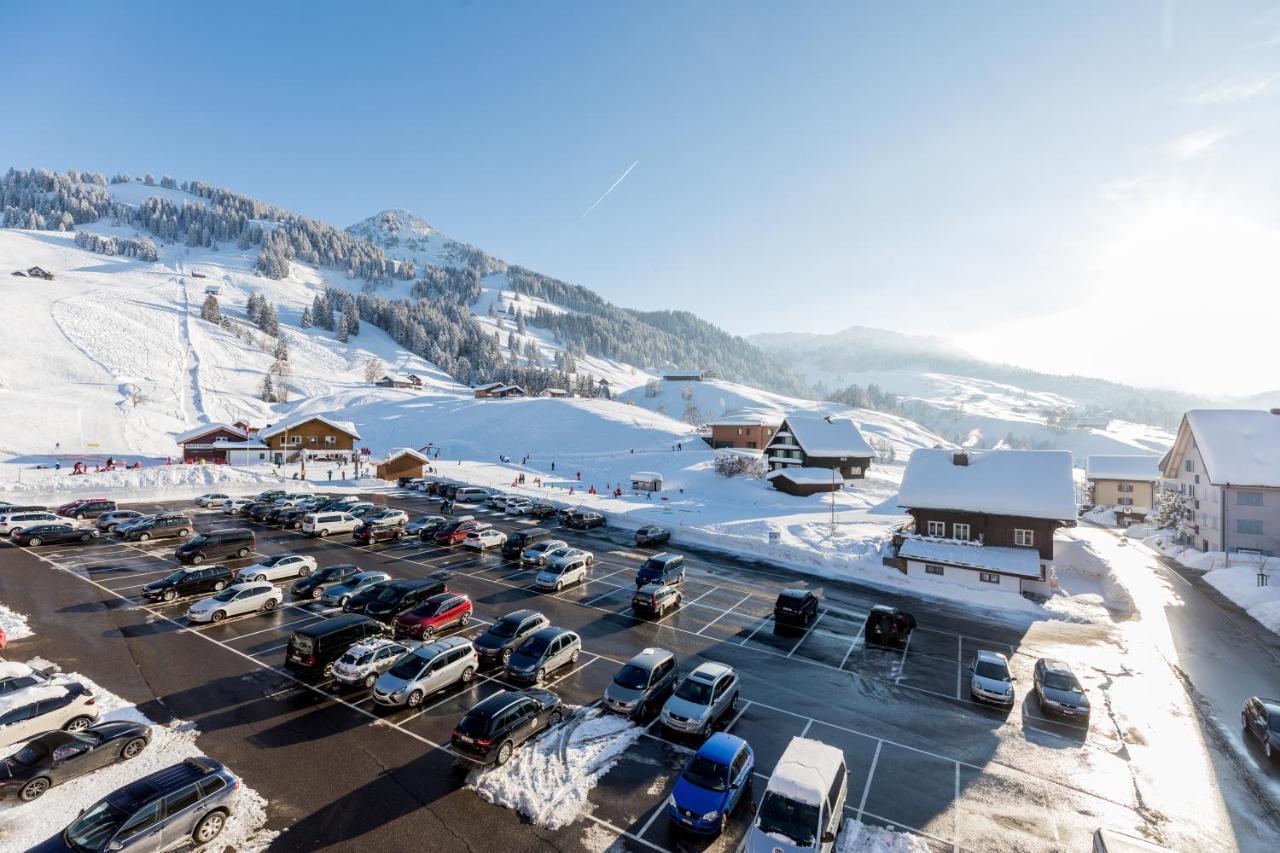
795, 608
50, 534
584, 520
427, 532
57, 757
888, 626
652, 534
1261, 719
195, 580
496, 644
312, 586
314, 648
395, 597
520, 540
490, 732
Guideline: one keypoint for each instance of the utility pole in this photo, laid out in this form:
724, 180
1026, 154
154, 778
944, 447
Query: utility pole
833, 502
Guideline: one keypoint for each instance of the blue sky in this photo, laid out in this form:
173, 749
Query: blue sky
1006, 174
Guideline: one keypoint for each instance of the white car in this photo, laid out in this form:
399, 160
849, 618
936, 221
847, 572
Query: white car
16, 521
279, 566
66, 705
212, 499
558, 577
237, 599
388, 516
483, 540
572, 558
518, 506
232, 505
325, 523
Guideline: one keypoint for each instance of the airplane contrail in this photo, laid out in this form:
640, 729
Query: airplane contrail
596, 204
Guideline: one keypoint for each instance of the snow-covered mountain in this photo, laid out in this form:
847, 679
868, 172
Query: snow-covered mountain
405, 235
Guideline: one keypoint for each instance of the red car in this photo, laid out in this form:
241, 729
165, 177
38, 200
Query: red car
438, 613
454, 532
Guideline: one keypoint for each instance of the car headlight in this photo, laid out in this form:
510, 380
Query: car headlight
711, 815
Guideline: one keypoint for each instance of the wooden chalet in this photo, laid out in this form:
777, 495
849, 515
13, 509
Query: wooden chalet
809, 454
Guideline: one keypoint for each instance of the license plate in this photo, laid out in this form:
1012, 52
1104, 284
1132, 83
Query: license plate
465, 739
686, 821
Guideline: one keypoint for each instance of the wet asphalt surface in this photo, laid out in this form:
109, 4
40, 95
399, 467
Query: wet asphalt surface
341, 774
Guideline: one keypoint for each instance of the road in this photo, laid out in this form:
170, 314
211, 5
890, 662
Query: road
341, 775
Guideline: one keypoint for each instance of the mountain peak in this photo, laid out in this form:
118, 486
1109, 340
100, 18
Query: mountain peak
393, 223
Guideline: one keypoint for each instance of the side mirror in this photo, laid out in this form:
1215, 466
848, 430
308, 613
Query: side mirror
971, 669
115, 845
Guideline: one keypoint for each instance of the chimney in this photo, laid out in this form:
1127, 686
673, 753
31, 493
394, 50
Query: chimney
960, 458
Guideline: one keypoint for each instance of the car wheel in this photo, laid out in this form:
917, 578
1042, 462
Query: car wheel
415, 699
343, 602
316, 593
724, 822
465, 620
733, 703
170, 594
143, 537
258, 578
86, 537
218, 586
328, 670
504, 753
468, 674
304, 571
269, 605
370, 679
506, 656
323, 533
1266, 748
1244, 721
132, 748
77, 724
559, 586
428, 631
197, 559
242, 553
541, 675
556, 717
209, 828
33, 789
573, 658
34, 541
184, 533
219, 615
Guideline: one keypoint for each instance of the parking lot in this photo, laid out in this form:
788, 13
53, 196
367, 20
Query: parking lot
922, 757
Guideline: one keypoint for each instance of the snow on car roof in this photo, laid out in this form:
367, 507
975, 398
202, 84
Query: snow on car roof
14, 669
35, 693
805, 771
1123, 467
1240, 447
1027, 483
828, 437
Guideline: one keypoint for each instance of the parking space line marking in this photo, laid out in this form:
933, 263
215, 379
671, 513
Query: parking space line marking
805, 635
320, 615
866, 788
484, 679
806, 728
903, 664
704, 595
594, 598
722, 614
959, 663
955, 813
763, 621
853, 643
660, 808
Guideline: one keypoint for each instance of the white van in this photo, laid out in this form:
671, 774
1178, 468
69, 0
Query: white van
324, 523
13, 522
470, 495
803, 800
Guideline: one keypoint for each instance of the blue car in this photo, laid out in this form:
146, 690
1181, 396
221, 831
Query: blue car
712, 785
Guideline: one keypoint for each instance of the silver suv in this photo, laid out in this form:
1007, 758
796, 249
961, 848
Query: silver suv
706, 695
188, 803
544, 652
642, 684
425, 670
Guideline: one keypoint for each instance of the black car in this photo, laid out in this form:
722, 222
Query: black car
372, 532
427, 532
291, 518
57, 757
394, 597
50, 534
584, 520
314, 648
652, 534
89, 509
156, 527
520, 540
269, 495
191, 581
888, 626
494, 727
496, 644
795, 608
262, 511
1261, 718
540, 511
312, 586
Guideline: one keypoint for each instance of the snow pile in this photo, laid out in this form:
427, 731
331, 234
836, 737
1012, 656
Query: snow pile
13, 624
1233, 575
1077, 561
548, 780
23, 825
156, 482
857, 837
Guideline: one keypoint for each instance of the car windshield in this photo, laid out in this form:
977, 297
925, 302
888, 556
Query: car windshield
991, 669
198, 539
94, 829
534, 646
28, 756
174, 577
1062, 681
227, 594
353, 659
407, 667
504, 628
387, 594
698, 692
1274, 722
788, 818
632, 677
475, 725
326, 574
427, 608
708, 774
271, 561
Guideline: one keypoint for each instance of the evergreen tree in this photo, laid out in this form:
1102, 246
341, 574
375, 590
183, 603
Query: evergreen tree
268, 390
342, 329
282, 350
210, 310
306, 317
352, 317
521, 326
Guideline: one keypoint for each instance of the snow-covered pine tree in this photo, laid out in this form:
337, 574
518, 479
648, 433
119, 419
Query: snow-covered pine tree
352, 317
342, 329
282, 349
268, 390
306, 317
521, 326
270, 319
210, 310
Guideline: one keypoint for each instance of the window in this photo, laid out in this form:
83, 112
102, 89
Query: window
175, 803
937, 528
1197, 478
741, 431
988, 577
1189, 465
1248, 498
960, 531
295, 439
1249, 526
931, 569
837, 790
1124, 501
142, 821
311, 439
211, 785
1024, 538
1124, 487
330, 440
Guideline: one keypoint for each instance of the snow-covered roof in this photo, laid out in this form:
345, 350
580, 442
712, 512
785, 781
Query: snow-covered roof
805, 771
407, 451
205, 429
488, 386
647, 476
342, 426
1024, 562
1029, 483
828, 437
1125, 467
1240, 447
806, 476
